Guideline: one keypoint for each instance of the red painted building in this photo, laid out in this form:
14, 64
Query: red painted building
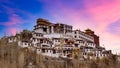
91, 33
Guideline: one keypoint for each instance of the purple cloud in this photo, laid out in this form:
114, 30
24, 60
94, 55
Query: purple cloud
15, 19
14, 16
114, 28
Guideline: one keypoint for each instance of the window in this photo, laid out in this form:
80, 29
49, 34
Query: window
25, 43
44, 41
55, 40
75, 32
36, 34
43, 50
10, 38
41, 41
58, 40
76, 45
54, 51
85, 53
44, 29
75, 36
39, 35
64, 51
46, 50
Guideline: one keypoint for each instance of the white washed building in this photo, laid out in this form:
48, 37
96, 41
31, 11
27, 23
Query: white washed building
59, 40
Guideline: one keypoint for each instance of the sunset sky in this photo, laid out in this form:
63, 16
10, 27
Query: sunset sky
102, 16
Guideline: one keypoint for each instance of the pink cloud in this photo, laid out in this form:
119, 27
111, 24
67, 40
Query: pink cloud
114, 28
110, 41
97, 14
68, 15
14, 19
105, 12
13, 31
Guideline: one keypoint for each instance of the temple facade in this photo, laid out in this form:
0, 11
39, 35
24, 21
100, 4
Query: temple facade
60, 40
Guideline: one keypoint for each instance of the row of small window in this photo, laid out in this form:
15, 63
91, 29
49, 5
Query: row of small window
88, 49
95, 54
81, 42
90, 44
66, 48
40, 35
57, 40
12, 38
66, 31
41, 41
44, 42
92, 50
40, 26
68, 27
76, 36
36, 39
79, 33
26, 43
54, 51
83, 34
44, 51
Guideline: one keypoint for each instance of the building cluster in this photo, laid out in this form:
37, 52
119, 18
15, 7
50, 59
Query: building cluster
60, 40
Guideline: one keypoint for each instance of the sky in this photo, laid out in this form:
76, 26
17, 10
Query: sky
101, 16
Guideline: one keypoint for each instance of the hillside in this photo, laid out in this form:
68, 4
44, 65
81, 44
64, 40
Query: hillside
13, 56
